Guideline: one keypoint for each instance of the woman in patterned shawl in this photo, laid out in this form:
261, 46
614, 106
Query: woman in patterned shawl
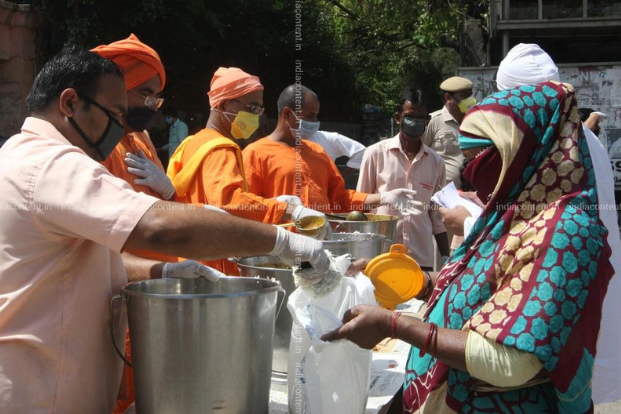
518, 306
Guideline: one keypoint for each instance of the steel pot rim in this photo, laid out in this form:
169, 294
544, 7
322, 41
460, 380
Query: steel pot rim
192, 296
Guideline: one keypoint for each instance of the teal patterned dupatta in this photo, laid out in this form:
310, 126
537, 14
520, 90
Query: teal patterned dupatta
535, 268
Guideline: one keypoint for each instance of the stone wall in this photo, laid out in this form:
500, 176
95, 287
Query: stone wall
18, 67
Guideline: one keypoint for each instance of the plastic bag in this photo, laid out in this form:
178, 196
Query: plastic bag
324, 377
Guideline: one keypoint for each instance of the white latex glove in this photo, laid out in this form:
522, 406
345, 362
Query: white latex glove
214, 208
301, 211
293, 249
402, 199
189, 269
290, 199
151, 175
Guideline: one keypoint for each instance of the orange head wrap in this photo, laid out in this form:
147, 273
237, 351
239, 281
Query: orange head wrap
139, 62
231, 83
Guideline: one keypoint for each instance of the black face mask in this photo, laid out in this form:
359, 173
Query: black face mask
139, 118
413, 127
111, 136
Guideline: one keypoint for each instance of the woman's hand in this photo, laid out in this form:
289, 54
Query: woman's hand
454, 218
357, 266
364, 325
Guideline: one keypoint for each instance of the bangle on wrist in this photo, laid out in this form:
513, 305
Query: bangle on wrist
433, 332
393, 325
427, 289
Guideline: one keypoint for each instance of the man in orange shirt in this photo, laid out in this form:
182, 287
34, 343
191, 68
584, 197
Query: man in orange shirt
287, 163
208, 168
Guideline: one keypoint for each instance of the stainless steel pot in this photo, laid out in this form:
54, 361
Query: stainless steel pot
357, 244
254, 266
379, 224
201, 346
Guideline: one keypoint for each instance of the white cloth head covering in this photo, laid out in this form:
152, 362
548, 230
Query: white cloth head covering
526, 64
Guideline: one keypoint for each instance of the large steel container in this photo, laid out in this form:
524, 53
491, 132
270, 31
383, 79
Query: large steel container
201, 346
378, 224
357, 244
264, 266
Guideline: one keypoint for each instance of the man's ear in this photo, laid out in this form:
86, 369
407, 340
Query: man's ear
286, 111
397, 118
69, 102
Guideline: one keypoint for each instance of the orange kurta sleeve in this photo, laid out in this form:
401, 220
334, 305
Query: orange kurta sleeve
342, 199
274, 169
224, 186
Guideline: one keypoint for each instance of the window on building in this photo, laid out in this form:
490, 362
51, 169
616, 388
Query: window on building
603, 8
523, 9
561, 9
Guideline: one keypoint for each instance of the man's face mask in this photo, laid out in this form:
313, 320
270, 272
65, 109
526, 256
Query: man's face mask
169, 120
138, 118
413, 127
306, 129
111, 136
244, 124
465, 104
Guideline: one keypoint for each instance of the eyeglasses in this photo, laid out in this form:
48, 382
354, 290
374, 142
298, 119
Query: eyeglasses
151, 101
255, 109
98, 105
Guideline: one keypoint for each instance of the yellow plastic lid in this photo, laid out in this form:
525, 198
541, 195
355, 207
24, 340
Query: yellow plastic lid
396, 276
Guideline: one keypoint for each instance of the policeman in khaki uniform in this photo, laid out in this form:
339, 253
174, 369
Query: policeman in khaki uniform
441, 133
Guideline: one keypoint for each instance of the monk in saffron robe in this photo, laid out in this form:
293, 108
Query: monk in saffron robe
145, 78
208, 167
286, 163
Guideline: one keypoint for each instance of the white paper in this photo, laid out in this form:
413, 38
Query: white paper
449, 197
387, 376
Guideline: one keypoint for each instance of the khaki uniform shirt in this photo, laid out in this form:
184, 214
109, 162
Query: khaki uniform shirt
441, 136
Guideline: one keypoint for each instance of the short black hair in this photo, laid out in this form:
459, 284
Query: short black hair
172, 111
585, 113
415, 96
74, 67
293, 97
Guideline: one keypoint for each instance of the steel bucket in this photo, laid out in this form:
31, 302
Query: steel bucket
358, 245
201, 346
379, 224
254, 266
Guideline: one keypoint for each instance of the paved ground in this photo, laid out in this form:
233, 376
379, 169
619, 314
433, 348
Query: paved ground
610, 408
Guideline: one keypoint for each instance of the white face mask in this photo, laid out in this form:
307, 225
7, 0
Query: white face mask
307, 128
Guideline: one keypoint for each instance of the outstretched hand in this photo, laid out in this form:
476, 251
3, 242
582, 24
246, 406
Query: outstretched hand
364, 325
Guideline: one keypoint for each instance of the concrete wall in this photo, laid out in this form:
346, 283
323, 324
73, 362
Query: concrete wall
598, 86
17, 63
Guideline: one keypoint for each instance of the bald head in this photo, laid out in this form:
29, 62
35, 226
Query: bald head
294, 97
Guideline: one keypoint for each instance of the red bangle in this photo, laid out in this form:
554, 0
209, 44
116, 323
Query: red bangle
393, 325
433, 329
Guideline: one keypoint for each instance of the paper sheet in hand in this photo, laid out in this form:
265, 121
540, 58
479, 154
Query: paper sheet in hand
449, 197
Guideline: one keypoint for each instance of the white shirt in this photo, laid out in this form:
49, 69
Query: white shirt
607, 374
385, 166
337, 145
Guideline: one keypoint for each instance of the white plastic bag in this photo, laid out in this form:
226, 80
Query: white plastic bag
324, 377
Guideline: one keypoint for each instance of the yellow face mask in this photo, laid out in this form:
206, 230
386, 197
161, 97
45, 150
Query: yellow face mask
244, 124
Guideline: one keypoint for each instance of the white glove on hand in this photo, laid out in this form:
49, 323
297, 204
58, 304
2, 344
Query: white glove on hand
189, 269
301, 212
402, 199
290, 199
293, 249
151, 175
214, 208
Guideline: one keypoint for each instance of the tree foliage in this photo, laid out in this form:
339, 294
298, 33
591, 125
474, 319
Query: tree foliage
352, 51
